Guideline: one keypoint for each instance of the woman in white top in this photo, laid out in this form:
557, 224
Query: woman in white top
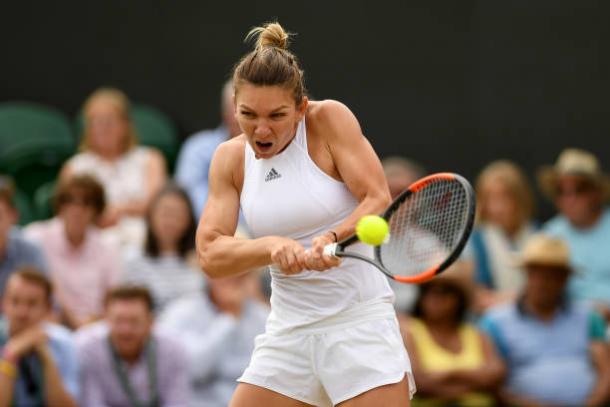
130, 174
303, 174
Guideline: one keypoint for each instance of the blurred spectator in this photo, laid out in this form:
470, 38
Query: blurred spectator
124, 363
454, 364
165, 267
38, 365
400, 173
580, 190
130, 174
196, 154
217, 328
15, 251
81, 265
554, 348
505, 205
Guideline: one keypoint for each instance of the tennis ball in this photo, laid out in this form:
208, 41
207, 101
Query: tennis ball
372, 229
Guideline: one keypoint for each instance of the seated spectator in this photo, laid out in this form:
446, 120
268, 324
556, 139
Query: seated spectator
166, 266
196, 154
81, 264
130, 174
505, 206
580, 191
400, 174
15, 251
217, 328
554, 348
454, 364
38, 365
124, 363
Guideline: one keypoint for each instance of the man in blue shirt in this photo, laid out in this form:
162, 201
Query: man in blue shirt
38, 365
579, 189
14, 250
196, 154
554, 348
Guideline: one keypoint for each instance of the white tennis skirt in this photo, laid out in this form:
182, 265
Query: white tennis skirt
324, 367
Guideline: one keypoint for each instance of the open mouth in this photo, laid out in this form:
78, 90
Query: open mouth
264, 147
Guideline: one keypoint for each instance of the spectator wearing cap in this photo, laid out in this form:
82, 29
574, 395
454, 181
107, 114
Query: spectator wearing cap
15, 251
580, 189
554, 348
125, 363
38, 365
454, 363
81, 264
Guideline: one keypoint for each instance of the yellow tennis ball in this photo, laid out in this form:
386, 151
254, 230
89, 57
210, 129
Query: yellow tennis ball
372, 229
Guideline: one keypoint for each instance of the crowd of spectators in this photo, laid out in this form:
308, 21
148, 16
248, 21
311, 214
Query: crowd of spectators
104, 304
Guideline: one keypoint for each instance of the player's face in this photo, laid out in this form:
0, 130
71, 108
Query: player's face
268, 116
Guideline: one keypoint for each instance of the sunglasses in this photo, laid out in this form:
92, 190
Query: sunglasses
582, 188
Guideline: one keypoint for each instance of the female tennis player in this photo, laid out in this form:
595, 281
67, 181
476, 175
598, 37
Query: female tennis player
303, 174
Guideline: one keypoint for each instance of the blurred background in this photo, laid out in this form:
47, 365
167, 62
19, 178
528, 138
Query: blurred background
451, 84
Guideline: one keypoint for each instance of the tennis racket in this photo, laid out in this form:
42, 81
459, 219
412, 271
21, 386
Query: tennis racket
429, 225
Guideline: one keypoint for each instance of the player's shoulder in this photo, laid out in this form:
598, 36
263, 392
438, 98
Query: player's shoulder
232, 148
330, 117
327, 109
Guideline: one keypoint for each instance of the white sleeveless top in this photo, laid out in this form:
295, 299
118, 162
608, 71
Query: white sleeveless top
124, 179
289, 195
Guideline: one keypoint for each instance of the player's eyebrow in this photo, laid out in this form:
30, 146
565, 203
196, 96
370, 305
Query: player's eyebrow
246, 107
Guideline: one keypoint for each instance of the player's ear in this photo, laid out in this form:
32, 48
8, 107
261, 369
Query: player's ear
302, 107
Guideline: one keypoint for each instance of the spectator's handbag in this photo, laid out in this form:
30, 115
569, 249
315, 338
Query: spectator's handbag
150, 353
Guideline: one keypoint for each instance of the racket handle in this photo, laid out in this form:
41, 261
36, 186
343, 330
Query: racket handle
330, 249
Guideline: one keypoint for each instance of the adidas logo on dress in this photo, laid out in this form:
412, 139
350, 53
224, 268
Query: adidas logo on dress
272, 174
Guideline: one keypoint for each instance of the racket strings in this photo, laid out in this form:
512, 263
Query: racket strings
426, 228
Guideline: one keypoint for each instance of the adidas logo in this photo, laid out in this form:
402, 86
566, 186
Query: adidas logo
272, 174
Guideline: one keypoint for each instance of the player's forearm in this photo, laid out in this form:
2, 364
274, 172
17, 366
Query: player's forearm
226, 256
372, 204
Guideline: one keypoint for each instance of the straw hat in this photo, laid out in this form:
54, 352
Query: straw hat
543, 250
573, 161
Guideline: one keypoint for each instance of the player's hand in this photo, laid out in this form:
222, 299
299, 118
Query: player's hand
288, 255
316, 259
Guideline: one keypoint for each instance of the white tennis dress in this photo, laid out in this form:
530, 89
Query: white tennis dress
330, 335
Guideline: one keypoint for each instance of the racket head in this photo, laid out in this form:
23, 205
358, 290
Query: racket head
430, 223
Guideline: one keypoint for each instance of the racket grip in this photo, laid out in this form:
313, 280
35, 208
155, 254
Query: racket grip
330, 249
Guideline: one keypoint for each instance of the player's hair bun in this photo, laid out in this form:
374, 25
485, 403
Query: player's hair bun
269, 35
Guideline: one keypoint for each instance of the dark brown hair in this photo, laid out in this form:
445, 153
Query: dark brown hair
453, 288
130, 292
270, 63
90, 187
34, 276
187, 241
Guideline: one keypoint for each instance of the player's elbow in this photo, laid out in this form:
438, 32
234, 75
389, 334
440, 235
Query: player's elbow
207, 257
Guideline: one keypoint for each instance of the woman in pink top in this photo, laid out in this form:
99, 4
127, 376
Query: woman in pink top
82, 265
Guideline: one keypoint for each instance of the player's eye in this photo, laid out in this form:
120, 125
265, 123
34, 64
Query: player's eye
247, 113
277, 115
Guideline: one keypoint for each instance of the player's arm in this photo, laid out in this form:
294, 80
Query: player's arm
356, 162
220, 253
